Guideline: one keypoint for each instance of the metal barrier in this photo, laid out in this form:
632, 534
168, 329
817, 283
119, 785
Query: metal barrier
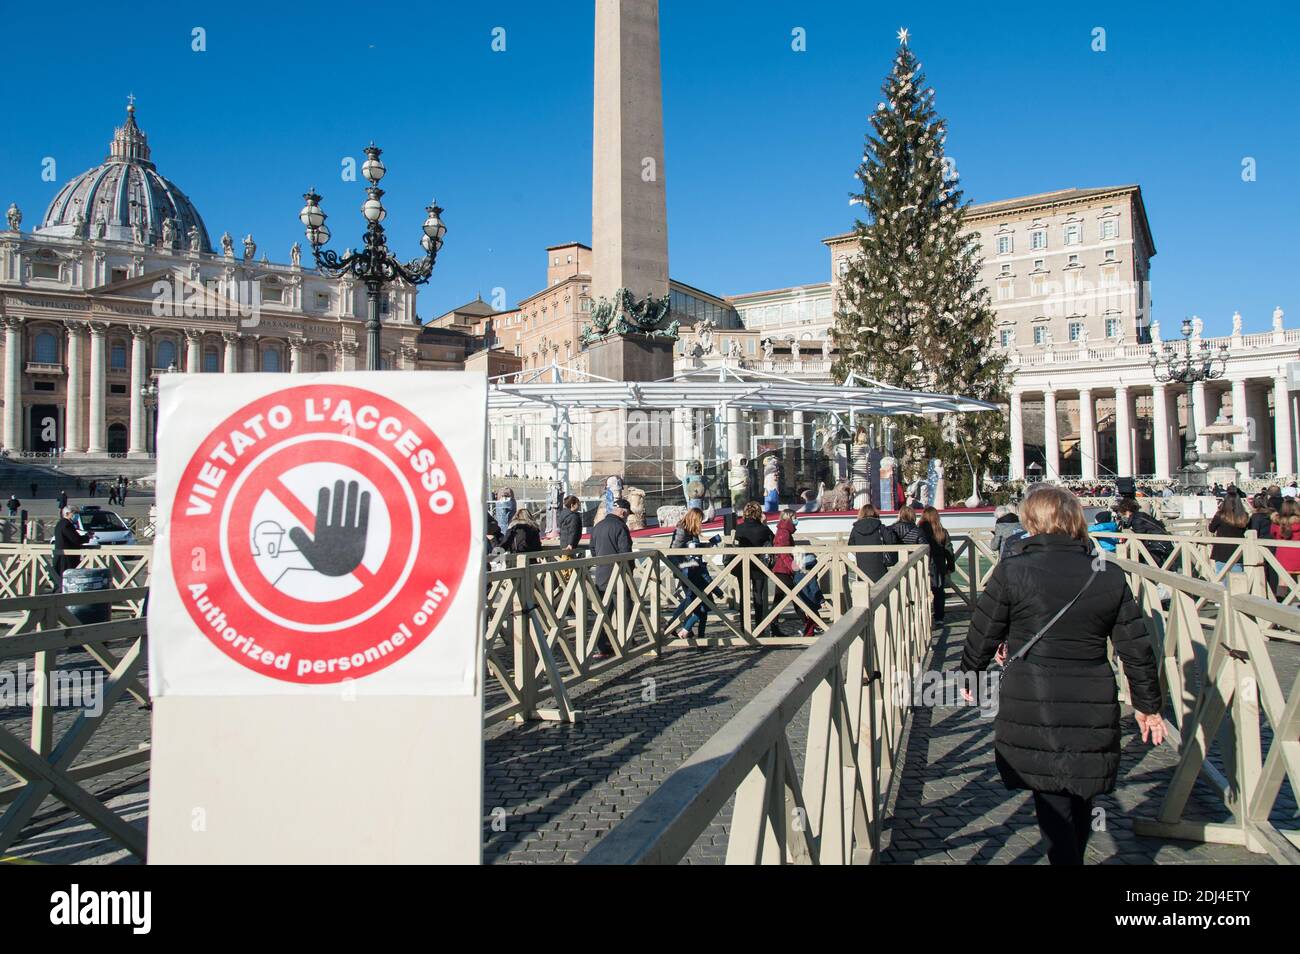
43, 628
831, 811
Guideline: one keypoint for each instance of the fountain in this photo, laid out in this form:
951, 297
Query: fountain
1221, 458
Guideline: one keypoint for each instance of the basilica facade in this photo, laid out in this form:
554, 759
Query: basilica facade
120, 283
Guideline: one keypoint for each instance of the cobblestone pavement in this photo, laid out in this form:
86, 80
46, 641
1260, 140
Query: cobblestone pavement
949, 805
559, 788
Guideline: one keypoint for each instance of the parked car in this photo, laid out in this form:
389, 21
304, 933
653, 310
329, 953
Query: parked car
106, 528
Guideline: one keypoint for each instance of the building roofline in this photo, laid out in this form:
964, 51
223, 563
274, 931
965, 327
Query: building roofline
551, 248
776, 291
1040, 200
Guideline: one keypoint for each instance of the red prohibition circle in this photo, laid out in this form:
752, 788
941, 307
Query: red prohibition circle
238, 548
223, 480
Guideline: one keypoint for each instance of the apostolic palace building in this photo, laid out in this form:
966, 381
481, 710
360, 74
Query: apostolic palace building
120, 281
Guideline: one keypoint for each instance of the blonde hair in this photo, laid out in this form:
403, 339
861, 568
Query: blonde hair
1054, 510
753, 511
691, 521
867, 510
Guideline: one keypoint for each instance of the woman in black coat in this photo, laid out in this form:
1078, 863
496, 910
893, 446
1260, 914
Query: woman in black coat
868, 531
942, 560
1057, 727
752, 531
569, 523
524, 536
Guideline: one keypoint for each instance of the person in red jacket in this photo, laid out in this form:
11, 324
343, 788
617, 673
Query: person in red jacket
783, 567
1286, 527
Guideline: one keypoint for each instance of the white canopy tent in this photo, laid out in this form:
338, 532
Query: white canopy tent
726, 391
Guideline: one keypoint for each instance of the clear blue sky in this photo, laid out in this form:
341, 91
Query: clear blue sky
761, 140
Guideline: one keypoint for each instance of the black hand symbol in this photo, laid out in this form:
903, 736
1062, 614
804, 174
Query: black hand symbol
340, 541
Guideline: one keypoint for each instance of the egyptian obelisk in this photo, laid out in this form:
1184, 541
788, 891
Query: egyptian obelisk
629, 231
629, 220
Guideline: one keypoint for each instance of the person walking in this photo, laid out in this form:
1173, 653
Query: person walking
569, 523
686, 536
66, 537
1057, 729
868, 531
1104, 522
1006, 527
783, 565
902, 532
753, 532
942, 560
34, 488
1261, 517
1229, 522
13, 504
63, 500
608, 538
94, 484
506, 506
523, 535
1286, 528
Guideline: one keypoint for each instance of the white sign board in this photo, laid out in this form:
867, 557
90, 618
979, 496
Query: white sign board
315, 530
314, 618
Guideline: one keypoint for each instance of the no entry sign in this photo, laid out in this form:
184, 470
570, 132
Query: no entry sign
316, 530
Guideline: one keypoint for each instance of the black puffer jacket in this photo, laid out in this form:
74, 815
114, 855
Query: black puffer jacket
901, 533
569, 523
1057, 727
869, 532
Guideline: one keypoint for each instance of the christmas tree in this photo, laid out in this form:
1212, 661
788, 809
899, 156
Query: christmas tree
912, 312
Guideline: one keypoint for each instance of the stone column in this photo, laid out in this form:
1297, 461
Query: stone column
73, 426
13, 420
193, 350
1051, 438
97, 438
1016, 430
1241, 418
1123, 433
735, 443
231, 358
1160, 430
138, 444
1199, 413
1284, 453
1087, 436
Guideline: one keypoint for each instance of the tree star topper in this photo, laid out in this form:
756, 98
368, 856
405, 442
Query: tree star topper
902, 36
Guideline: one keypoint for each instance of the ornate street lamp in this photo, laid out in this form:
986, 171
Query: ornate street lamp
149, 394
1188, 365
374, 264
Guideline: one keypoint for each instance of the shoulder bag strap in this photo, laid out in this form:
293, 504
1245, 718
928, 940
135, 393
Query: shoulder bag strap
1023, 650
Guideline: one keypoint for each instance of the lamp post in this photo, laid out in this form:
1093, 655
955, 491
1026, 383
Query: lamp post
374, 264
149, 393
1190, 366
